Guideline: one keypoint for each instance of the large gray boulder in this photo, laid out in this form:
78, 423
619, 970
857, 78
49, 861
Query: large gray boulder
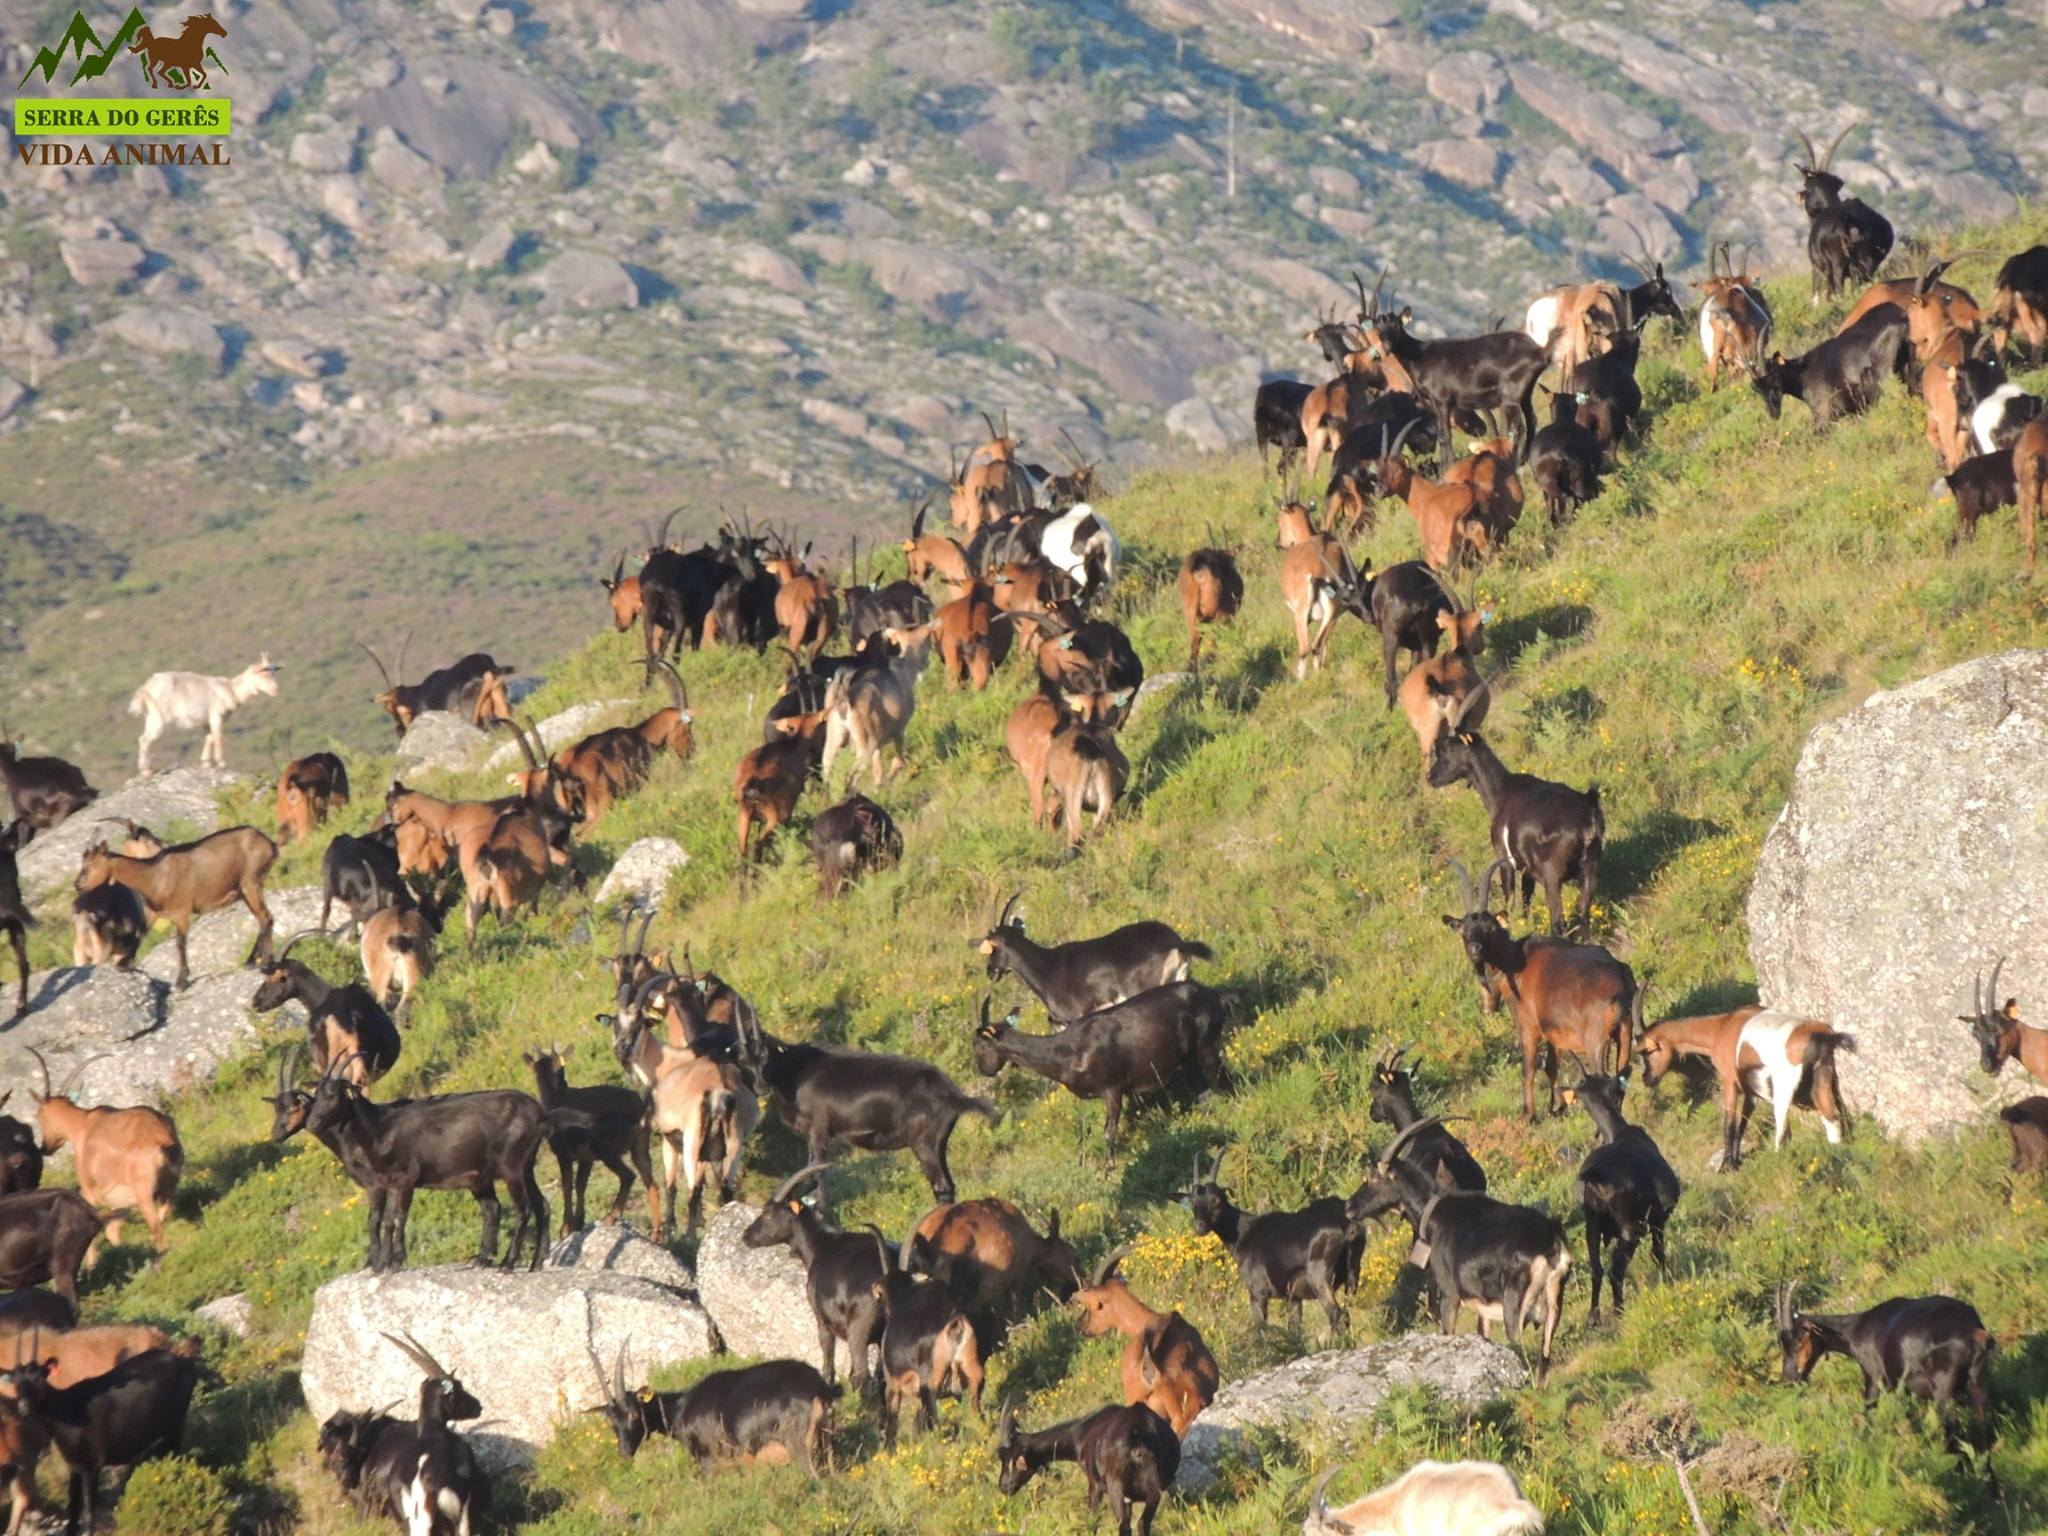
528, 1345
610, 1249
439, 739
167, 331
756, 1296
184, 799
1342, 1387
1913, 850
587, 280
642, 872
150, 1041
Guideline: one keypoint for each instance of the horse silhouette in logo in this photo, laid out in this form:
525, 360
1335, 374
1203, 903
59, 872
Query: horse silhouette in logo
178, 62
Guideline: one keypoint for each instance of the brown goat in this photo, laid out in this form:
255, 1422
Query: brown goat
109, 924
613, 762
986, 1252
22, 1443
1790, 1058
443, 826
806, 607
1028, 588
1211, 592
1087, 772
1451, 518
971, 644
1446, 689
1931, 308
120, 1157
933, 554
703, 1110
79, 1354
1489, 468
1735, 322
2027, 1123
771, 778
191, 879
508, 868
1165, 1366
398, 952
2030, 473
1319, 585
1296, 525
869, 707
992, 484
306, 790
1948, 425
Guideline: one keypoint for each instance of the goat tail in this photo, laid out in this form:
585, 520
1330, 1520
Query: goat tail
1195, 949
138, 701
1599, 813
983, 1107
1520, 1518
1823, 1043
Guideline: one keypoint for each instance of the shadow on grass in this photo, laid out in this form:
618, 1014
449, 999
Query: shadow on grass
223, 1173
1627, 864
1557, 621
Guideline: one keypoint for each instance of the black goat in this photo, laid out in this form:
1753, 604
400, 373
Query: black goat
1842, 376
362, 874
42, 790
1276, 419
341, 1022
1495, 372
1505, 1262
1436, 1151
2019, 308
1625, 1186
15, 917
850, 839
1083, 975
1564, 459
1408, 600
1930, 1347
1543, 831
929, 1344
1979, 487
133, 1413
45, 1235
28, 1309
1129, 1456
1131, 1047
775, 1413
600, 1123
472, 1141
2027, 1124
870, 610
677, 591
841, 1270
417, 1471
875, 1102
1291, 1256
1609, 398
1846, 239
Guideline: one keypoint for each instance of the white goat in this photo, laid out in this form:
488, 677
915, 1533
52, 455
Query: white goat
189, 700
1081, 544
1432, 1498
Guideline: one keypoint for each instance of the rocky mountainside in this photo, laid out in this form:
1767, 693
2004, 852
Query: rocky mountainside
621, 254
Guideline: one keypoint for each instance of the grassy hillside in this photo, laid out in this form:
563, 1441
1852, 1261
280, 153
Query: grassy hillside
1738, 581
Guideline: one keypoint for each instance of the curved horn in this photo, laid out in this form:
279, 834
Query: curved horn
994, 435
1401, 437
525, 746
1377, 284
678, 693
1827, 156
1319, 1508
288, 1068
46, 1093
416, 1352
1009, 907
881, 1248
910, 1240
1991, 992
1465, 704
1464, 882
1933, 275
1784, 1305
1812, 160
661, 538
304, 933
1007, 1426
1073, 450
790, 1185
1394, 1147
917, 518
640, 939
1106, 1265
388, 684
1486, 880
1364, 309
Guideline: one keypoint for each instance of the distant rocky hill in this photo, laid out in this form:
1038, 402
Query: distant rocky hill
630, 253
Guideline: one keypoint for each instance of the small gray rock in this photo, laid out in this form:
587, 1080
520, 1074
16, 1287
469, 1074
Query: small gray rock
581, 280
231, 1314
642, 872
326, 150
1471, 81
167, 331
102, 263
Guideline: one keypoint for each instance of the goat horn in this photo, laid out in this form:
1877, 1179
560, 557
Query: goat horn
1465, 704
404, 640
1107, 1264
917, 518
678, 693
525, 747
304, 933
76, 1072
1377, 284
1394, 1147
994, 435
790, 1185
881, 1248
1827, 157
661, 539
380, 665
416, 1352
1933, 275
1009, 907
1364, 309
1991, 992
640, 939
1401, 438
1319, 1509
288, 1068
1007, 1425
1074, 448
910, 1240
1464, 882
1784, 1304
619, 569
1486, 880
1977, 995
1812, 160
46, 1093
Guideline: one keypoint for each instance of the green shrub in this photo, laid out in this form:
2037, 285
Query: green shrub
174, 1496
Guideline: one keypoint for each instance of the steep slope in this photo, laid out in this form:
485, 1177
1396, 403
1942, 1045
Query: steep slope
1739, 580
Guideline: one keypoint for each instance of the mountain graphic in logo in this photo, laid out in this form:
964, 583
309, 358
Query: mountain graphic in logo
80, 42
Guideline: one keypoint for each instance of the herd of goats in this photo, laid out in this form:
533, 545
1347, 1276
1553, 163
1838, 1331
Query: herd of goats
1024, 568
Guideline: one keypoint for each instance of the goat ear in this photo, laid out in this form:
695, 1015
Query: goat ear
1451, 922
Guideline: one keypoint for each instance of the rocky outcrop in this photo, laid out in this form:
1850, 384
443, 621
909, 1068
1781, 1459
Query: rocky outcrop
1911, 852
1340, 1388
587, 280
441, 740
104, 262
181, 798
534, 1348
756, 1296
166, 331
642, 872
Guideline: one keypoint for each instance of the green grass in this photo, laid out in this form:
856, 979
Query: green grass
1738, 581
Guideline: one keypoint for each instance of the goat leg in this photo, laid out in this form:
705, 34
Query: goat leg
18, 936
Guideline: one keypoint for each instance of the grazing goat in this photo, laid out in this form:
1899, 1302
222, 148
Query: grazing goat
1083, 975
771, 778
2027, 1123
1129, 1456
1563, 997
187, 700
398, 952
929, 1347
474, 686
1128, 1048
986, 1252
364, 874
1432, 1498
1410, 605
1930, 1347
1843, 375
130, 1415
21, 1160
1292, 1256
471, 1141
2001, 1034
343, 1024
1319, 585
1435, 1151
1087, 772
2019, 306
1165, 1365
307, 789
875, 1102
1211, 592
1447, 691
120, 1157
778, 1413
868, 708
1028, 738
1276, 420
613, 762
1543, 831
853, 838
1626, 1188
42, 790
1979, 486
841, 1271
46, 1237
1489, 469
1735, 318
1846, 239
187, 880
1757, 1051
599, 1123
15, 917
1565, 458
972, 645
1505, 1262
1496, 372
